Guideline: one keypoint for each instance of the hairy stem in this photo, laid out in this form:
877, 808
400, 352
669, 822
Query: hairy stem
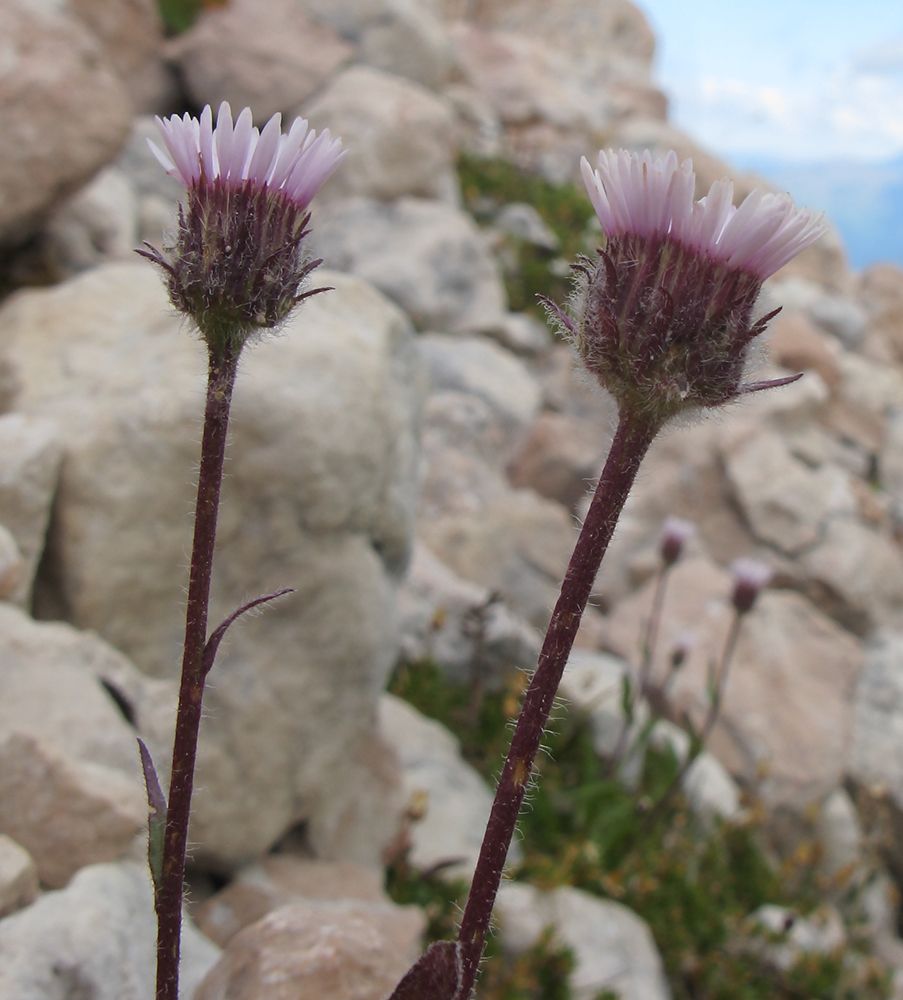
631, 441
220, 382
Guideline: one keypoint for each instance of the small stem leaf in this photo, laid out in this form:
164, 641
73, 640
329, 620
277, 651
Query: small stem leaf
156, 820
434, 977
216, 637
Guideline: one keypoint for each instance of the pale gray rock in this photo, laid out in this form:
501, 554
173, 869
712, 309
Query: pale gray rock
613, 948
890, 462
459, 625
876, 754
18, 876
593, 685
522, 221
399, 36
516, 543
399, 137
277, 880
481, 367
31, 449
464, 447
66, 813
10, 564
861, 570
320, 496
840, 835
425, 255
875, 387
452, 797
710, 789
820, 933
95, 938
131, 34
50, 690
839, 315
307, 951
268, 57
63, 113
99, 223
786, 503
786, 721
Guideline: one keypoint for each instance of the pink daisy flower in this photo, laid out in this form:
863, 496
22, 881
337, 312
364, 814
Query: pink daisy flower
293, 164
654, 198
664, 314
238, 260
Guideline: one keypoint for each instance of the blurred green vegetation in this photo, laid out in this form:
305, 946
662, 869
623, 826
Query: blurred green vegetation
695, 884
488, 185
180, 15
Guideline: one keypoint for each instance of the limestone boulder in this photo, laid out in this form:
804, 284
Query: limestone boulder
320, 496
51, 691
479, 366
65, 813
31, 449
612, 947
18, 876
786, 503
95, 938
131, 33
307, 951
100, 222
406, 37
518, 544
450, 799
461, 626
786, 721
63, 113
399, 136
269, 58
424, 255
276, 881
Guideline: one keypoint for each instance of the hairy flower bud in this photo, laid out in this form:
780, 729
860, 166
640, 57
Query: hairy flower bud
750, 578
238, 260
676, 532
664, 317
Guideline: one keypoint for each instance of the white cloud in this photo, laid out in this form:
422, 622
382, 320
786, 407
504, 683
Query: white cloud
853, 112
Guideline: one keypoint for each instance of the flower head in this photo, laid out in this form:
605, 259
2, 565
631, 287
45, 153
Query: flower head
676, 532
238, 260
665, 315
750, 578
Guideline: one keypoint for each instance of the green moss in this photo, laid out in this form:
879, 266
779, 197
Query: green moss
180, 15
487, 185
694, 885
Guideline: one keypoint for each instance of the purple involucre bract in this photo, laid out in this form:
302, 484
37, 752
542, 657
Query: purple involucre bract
665, 315
238, 260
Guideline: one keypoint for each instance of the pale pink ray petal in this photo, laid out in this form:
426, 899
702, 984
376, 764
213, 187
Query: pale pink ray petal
265, 154
289, 149
209, 164
242, 139
222, 138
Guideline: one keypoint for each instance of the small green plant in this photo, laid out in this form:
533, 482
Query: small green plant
488, 185
180, 15
694, 884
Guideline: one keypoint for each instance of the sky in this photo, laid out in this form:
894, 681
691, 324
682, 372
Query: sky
802, 80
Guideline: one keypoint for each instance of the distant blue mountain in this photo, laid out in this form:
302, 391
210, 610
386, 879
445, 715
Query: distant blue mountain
864, 201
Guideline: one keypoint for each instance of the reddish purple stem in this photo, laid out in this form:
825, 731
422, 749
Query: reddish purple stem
221, 380
631, 441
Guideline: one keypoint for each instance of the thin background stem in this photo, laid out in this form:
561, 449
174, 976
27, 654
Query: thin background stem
631, 441
220, 382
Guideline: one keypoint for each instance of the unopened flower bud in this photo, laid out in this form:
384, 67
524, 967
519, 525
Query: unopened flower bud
238, 260
750, 578
664, 316
683, 646
676, 532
